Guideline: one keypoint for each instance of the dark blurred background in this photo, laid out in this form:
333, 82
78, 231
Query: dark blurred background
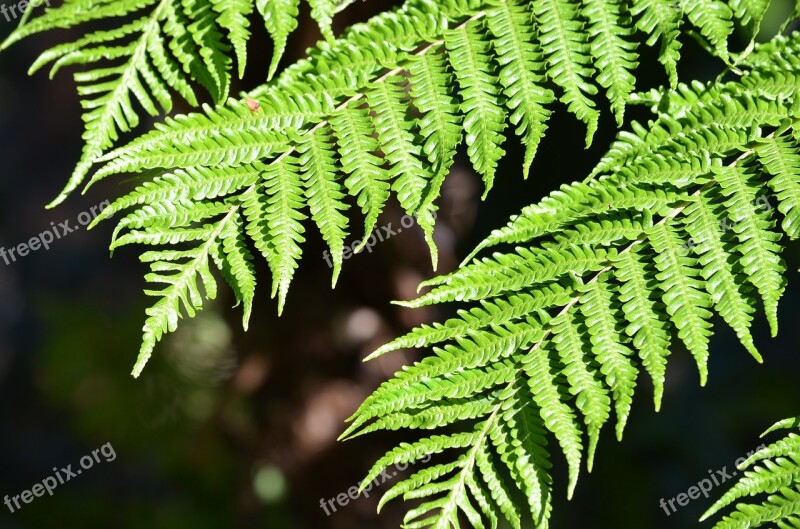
227, 429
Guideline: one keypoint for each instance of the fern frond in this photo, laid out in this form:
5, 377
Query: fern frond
274, 222
520, 60
566, 50
780, 155
368, 179
611, 42
712, 244
322, 11
184, 273
235, 262
750, 12
232, 16
774, 471
581, 372
170, 45
153, 219
600, 277
647, 324
612, 354
559, 419
280, 19
684, 297
484, 119
381, 110
184, 185
440, 129
387, 100
521, 443
324, 194
714, 18
662, 21
161, 54
758, 243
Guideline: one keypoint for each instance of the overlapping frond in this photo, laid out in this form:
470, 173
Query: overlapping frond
382, 110
773, 479
582, 291
186, 274
158, 47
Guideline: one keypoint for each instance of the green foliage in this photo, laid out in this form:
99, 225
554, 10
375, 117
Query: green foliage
684, 218
774, 472
154, 48
681, 220
380, 110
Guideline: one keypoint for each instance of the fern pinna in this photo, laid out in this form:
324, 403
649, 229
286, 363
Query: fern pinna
683, 218
157, 47
380, 110
775, 472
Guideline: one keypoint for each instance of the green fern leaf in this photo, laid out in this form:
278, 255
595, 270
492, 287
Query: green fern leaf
484, 119
661, 20
522, 444
582, 374
685, 300
386, 99
273, 222
648, 329
750, 12
491, 312
280, 19
712, 243
322, 11
500, 491
440, 128
368, 180
560, 419
521, 63
610, 32
144, 66
385, 106
182, 186
612, 355
235, 262
599, 277
760, 260
232, 16
566, 49
169, 45
777, 475
779, 155
184, 273
324, 194
713, 17
166, 223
